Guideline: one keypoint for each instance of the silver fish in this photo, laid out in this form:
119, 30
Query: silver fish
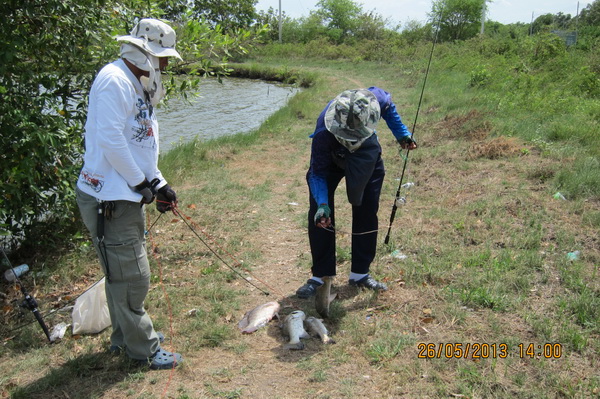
293, 327
316, 327
324, 297
259, 317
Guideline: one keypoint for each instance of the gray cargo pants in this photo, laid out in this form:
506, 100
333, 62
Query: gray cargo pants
123, 258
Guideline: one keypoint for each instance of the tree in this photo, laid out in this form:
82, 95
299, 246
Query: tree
230, 15
340, 16
457, 19
50, 52
590, 15
548, 22
371, 26
270, 19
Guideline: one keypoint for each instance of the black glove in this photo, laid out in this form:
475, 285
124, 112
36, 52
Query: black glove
166, 199
406, 141
145, 188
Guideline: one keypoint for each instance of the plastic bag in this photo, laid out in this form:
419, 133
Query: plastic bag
90, 313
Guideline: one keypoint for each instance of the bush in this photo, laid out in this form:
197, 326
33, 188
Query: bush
49, 57
480, 77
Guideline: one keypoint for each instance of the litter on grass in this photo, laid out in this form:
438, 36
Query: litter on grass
398, 255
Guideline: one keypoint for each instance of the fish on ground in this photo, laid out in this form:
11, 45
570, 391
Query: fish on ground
259, 317
324, 297
316, 327
293, 327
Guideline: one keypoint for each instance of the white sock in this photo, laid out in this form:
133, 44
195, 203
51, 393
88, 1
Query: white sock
357, 276
317, 279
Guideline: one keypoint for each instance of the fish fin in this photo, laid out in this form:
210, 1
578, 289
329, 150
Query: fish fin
249, 330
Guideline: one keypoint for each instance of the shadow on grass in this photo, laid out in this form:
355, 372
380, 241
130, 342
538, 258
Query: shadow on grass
85, 376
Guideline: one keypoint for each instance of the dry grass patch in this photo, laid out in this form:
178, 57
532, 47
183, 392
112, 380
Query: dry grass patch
496, 148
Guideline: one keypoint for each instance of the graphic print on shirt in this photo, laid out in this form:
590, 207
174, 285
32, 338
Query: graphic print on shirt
143, 133
89, 180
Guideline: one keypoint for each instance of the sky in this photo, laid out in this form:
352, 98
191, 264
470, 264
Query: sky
402, 11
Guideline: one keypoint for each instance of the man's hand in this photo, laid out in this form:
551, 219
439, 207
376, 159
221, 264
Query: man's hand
166, 199
145, 188
407, 143
323, 216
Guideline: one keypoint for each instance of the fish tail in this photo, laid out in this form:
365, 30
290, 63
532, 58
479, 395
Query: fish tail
295, 346
328, 340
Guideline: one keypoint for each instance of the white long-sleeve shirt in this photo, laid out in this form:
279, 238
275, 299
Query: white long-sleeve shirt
121, 137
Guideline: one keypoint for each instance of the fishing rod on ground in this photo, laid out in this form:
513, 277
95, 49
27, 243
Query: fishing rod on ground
398, 198
29, 301
178, 213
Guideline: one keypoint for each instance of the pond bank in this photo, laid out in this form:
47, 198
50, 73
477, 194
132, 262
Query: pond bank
283, 74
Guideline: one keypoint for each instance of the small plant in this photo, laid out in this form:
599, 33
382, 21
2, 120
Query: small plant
480, 77
388, 347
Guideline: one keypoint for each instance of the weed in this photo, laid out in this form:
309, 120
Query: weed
387, 347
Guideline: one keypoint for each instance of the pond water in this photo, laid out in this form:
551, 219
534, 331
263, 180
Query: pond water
234, 106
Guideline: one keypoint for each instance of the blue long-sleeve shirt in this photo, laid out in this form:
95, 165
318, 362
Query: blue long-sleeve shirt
324, 143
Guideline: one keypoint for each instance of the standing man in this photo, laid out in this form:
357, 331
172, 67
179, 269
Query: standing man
120, 174
345, 145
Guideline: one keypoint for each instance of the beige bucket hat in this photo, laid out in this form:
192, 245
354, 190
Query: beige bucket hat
154, 37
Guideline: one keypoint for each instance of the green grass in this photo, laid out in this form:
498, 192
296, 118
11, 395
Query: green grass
485, 240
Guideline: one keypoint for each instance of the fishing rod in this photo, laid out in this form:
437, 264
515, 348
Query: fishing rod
29, 301
398, 198
178, 213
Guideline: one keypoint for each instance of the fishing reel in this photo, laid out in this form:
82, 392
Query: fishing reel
29, 301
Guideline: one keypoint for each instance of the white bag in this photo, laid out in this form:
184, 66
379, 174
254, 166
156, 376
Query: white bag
90, 313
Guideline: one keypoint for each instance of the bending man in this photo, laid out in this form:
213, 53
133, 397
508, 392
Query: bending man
345, 145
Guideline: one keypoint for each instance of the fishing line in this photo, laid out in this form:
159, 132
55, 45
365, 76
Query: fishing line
152, 225
167, 299
334, 230
178, 212
395, 206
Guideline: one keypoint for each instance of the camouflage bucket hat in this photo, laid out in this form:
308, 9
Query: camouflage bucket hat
353, 115
154, 37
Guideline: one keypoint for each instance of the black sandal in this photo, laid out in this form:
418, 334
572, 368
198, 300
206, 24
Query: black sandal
309, 289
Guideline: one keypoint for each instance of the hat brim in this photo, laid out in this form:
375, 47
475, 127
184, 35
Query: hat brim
150, 47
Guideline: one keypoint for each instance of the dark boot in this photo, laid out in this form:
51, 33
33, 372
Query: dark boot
309, 289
